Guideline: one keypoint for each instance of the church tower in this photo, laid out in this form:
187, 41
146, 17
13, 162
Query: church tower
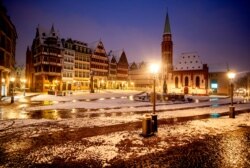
167, 53
167, 50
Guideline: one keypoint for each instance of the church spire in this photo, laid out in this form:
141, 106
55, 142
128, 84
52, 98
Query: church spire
167, 29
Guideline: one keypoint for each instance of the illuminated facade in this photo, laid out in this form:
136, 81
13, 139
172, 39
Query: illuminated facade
53, 64
45, 62
8, 36
118, 70
82, 65
188, 76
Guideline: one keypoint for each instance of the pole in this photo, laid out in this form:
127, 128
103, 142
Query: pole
12, 94
232, 108
154, 97
232, 87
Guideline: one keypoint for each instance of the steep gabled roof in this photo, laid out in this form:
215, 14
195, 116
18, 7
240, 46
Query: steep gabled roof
189, 61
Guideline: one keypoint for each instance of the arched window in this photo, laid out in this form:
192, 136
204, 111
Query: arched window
197, 81
186, 81
176, 82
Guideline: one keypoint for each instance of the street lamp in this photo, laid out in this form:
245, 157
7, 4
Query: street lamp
231, 76
91, 82
24, 85
12, 79
154, 68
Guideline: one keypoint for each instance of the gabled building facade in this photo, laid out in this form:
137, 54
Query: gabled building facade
46, 55
118, 70
99, 66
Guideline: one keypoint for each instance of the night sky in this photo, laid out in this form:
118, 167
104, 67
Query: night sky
219, 30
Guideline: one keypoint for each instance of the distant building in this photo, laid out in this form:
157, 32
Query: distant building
67, 65
218, 83
82, 65
118, 70
8, 36
68, 70
139, 76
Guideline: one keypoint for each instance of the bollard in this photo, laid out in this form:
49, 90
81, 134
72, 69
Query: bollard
147, 125
155, 124
231, 112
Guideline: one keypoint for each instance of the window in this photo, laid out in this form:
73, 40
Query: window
197, 81
186, 81
176, 82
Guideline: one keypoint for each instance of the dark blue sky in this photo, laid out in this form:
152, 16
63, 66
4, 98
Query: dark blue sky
219, 30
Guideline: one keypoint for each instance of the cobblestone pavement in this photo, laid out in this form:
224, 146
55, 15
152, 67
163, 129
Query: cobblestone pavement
229, 149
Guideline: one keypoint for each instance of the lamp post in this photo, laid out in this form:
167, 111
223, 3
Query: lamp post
91, 82
24, 85
12, 79
231, 76
154, 68
3, 86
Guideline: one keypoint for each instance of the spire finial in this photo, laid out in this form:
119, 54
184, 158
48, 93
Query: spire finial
167, 29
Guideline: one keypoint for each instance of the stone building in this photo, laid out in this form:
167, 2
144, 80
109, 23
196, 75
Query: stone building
8, 36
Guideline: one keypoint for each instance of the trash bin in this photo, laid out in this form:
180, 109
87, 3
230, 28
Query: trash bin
154, 123
231, 111
147, 125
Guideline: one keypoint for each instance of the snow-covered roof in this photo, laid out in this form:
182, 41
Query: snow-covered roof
189, 61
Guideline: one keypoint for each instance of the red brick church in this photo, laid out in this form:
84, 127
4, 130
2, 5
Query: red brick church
189, 75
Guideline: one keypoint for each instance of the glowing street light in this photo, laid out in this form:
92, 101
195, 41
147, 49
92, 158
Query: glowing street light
12, 79
231, 76
154, 69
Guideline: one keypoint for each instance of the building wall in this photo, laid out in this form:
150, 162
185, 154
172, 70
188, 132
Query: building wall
8, 36
221, 79
47, 62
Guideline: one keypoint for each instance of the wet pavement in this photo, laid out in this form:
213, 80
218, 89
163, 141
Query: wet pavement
17, 110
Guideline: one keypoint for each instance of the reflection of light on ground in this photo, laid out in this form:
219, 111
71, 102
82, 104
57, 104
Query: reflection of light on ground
23, 115
123, 97
87, 100
73, 101
131, 97
101, 99
22, 106
51, 114
17, 145
23, 100
73, 110
112, 98
55, 102
232, 151
213, 99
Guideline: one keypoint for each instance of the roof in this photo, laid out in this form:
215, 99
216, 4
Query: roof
189, 61
167, 29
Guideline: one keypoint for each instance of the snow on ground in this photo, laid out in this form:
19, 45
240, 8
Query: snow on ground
129, 144
121, 144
